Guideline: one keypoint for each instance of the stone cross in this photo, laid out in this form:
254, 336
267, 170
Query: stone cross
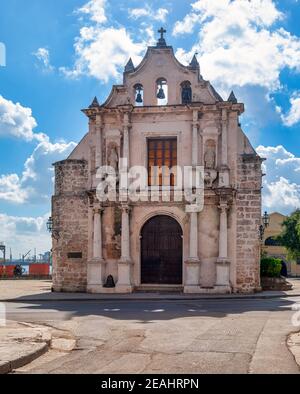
162, 31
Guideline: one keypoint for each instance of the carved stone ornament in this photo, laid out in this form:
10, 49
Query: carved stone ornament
209, 177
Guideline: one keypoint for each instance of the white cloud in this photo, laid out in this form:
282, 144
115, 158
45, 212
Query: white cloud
282, 196
158, 15
35, 185
24, 233
239, 42
293, 116
282, 181
17, 121
101, 51
43, 56
95, 9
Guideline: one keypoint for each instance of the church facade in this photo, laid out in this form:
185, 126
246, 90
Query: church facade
164, 115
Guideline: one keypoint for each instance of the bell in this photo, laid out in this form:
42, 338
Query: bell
161, 94
139, 98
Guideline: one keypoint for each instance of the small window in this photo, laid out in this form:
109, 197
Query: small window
75, 255
139, 95
162, 91
162, 159
186, 92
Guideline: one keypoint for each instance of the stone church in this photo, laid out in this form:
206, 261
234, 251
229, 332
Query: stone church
164, 114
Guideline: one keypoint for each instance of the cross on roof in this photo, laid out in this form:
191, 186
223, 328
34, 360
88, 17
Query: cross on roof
162, 31
162, 42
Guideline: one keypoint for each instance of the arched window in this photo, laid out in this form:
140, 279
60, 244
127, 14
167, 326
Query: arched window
272, 241
139, 95
162, 91
186, 92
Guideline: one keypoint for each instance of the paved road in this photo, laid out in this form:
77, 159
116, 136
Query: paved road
207, 336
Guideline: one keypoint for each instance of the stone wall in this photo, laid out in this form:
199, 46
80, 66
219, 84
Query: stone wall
248, 208
70, 216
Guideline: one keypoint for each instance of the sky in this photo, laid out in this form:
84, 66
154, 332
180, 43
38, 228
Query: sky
59, 54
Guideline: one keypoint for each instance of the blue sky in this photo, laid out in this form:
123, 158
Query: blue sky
60, 54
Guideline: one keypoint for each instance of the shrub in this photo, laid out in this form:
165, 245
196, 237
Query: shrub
270, 267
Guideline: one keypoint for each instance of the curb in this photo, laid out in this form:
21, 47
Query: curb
151, 298
9, 366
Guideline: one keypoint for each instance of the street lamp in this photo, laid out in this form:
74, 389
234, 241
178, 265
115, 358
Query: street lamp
53, 231
264, 225
49, 224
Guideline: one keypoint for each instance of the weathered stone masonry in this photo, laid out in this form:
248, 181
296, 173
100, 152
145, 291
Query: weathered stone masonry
70, 213
248, 203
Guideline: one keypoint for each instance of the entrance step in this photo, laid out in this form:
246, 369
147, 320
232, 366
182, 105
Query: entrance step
159, 289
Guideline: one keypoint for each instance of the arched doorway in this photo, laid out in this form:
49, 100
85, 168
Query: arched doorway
162, 251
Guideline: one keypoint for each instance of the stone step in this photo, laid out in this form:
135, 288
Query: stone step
159, 289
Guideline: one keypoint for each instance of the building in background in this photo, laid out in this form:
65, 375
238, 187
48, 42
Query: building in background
272, 246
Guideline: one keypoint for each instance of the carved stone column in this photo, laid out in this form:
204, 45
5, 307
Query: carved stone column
192, 265
98, 141
223, 262
195, 156
96, 266
126, 140
97, 241
224, 169
124, 284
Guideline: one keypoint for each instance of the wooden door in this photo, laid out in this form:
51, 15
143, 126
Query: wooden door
161, 244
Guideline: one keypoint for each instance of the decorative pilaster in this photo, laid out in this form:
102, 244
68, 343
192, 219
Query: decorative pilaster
126, 140
96, 266
124, 265
224, 169
224, 159
195, 157
192, 265
223, 262
193, 237
98, 141
97, 241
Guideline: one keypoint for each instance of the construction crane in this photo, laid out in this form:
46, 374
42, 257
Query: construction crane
25, 255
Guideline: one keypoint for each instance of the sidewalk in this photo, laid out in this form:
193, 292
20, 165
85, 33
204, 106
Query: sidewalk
40, 290
20, 344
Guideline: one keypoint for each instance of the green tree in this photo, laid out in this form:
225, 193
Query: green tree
290, 237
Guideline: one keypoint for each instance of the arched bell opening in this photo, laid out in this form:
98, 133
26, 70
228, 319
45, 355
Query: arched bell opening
162, 91
139, 95
186, 92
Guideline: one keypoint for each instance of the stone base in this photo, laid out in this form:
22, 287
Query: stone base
223, 273
124, 276
202, 290
192, 289
95, 275
124, 289
222, 289
192, 278
95, 289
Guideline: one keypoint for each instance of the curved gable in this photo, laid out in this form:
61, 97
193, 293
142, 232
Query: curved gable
158, 63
